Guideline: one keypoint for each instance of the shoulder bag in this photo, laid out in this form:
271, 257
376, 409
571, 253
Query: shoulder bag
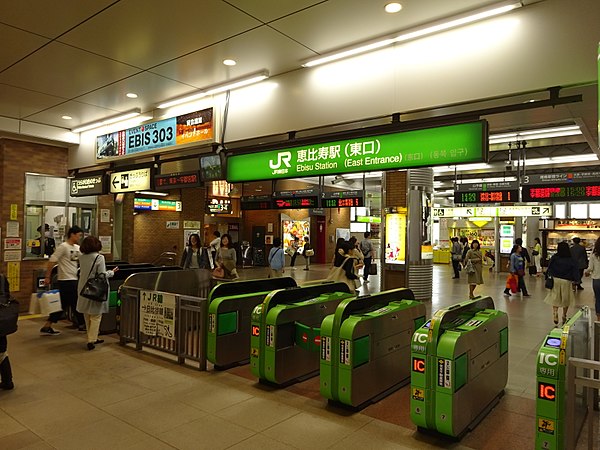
9, 310
95, 288
469, 267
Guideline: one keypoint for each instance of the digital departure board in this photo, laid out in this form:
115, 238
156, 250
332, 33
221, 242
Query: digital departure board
255, 203
177, 181
342, 199
295, 202
487, 196
562, 192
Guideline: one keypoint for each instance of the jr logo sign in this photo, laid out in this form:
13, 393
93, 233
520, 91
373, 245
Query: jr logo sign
283, 158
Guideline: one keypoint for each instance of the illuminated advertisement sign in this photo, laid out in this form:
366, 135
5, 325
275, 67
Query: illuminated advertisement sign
154, 204
189, 128
445, 145
218, 206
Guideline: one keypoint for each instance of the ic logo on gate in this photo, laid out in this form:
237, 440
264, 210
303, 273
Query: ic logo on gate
547, 391
418, 365
255, 330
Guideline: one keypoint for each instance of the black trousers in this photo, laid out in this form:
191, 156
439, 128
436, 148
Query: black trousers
3, 344
367, 268
456, 267
68, 300
293, 261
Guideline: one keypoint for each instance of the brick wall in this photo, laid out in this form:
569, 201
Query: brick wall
17, 158
106, 228
145, 235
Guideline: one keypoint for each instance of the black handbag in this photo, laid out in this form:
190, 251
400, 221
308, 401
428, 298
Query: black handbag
549, 281
373, 269
95, 288
9, 309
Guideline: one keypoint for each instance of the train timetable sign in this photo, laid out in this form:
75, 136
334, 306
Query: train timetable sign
444, 145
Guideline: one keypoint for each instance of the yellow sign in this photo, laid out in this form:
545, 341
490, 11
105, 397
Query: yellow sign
254, 352
13, 211
562, 357
418, 394
13, 273
546, 426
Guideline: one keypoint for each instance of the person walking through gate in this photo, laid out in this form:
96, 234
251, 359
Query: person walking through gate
295, 245
307, 252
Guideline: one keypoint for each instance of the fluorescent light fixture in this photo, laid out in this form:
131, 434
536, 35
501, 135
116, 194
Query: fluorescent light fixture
486, 180
159, 194
471, 18
67, 117
542, 133
392, 8
230, 85
589, 157
358, 176
480, 219
131, 95
460, 168
108, 121
229, 62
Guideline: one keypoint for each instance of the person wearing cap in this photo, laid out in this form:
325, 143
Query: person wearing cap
579, 254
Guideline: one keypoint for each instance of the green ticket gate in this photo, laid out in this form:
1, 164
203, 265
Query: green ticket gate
285, 340
229, 318
459, 367
572, 340
365, 346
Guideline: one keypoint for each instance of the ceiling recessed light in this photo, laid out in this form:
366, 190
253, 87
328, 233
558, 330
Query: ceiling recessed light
67, 117
393, 7
131, 95
229, 62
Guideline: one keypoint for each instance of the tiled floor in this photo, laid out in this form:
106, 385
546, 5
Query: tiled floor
113, 397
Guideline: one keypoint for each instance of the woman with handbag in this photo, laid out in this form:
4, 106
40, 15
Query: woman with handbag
343, 267
536, 253
474, 267
93, 288
516, 267
226, 259
564, 270
308, 252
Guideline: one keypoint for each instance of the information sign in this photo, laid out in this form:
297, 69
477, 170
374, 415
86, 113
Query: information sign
177, 181
487, 197
342, 199
90, 185
562, 192
157, 314
130, 181
445, 145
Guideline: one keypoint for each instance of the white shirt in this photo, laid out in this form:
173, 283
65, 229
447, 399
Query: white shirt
594, 267
215, 244
67, 257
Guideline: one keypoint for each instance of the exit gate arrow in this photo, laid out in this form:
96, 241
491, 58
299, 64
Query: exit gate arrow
117, 182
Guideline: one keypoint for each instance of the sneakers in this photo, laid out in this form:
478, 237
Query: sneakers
90, 346
48, 331
507, 292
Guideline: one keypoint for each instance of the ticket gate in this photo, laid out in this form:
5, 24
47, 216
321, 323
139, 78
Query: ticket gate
459, 367
365, 346
574, 339
285, 341
229, 311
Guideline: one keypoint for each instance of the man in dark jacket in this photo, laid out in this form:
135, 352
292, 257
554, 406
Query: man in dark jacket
579, 254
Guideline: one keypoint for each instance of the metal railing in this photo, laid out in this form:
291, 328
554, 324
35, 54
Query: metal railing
583, 373
190, 289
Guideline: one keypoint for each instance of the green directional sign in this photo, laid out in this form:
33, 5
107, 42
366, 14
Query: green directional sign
445, 145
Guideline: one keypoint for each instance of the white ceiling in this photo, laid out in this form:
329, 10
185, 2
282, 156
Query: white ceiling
80, 58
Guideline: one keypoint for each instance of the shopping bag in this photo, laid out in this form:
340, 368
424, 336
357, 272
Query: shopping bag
532, 270
373, 269
49, 302
34, 304
512, 283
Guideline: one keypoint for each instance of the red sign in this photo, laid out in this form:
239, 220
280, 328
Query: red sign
304, 337
547, 391
318, 340
418, 365
255, 330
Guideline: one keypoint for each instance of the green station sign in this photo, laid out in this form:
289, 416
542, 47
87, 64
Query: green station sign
445, 145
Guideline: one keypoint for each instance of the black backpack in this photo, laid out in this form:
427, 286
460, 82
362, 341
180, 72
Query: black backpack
9, 309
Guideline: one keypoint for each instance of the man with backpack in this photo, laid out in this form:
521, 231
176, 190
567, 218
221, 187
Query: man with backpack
366, 247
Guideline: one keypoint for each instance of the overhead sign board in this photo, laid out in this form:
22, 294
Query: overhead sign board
487, 187
177, 181
218, 206
189, 128
498, 196
496, 211
154, 204
130, 181
342, 199
90, 185
445, 145
561, 178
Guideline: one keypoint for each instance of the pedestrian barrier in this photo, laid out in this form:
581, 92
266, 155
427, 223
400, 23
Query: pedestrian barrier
557, 426
459, 367
365, 346
167, 312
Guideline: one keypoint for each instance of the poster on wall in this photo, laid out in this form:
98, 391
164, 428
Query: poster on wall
12, 255
294, 228
12, 229
395, 237
12, 244
106, 242
13, 273
343, 233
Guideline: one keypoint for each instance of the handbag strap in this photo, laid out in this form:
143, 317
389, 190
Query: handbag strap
93, 265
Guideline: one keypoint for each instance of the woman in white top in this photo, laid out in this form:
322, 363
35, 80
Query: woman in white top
90, 263
594, 270
536, 253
